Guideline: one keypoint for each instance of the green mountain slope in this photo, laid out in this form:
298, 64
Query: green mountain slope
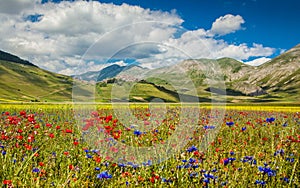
12, 58
20, 82
280, 77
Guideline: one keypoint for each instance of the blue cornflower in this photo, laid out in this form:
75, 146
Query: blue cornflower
225, 161
137, 132
285, 124
195, 166
194, 174
270, 120
286, 179
214, 170
135, 166
260, 182
167, 180
209, 127
97, 168
280, 151
35, 149
247, 159
290, 159
3, 152
231, 153
35, 170
149, 162
267, 170
104, 175
206, 180
192, 148
210, 176
229, 123
191, 160
89, 156
244, 128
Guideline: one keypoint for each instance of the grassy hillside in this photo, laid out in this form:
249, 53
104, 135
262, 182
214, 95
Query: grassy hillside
143, 91
140, 92
20, 82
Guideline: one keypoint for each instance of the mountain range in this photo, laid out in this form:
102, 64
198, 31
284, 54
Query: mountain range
275, 81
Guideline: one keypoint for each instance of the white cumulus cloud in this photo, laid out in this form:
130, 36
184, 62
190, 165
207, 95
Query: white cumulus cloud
227, 24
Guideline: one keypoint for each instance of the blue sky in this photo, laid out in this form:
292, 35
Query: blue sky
65, 36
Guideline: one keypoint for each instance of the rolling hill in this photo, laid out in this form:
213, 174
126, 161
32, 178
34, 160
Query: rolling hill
23, 81
205, 79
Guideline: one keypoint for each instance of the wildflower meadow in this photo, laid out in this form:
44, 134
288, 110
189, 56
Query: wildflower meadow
57, 146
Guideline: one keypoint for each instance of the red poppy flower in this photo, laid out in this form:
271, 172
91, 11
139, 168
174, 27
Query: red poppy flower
51, 135
30, 117
66, 153
117, 134
108, 118
71, 167
20, 137
7, 182
20, 131
97, 159
28, 147
48, 125
30, 138
23, 113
